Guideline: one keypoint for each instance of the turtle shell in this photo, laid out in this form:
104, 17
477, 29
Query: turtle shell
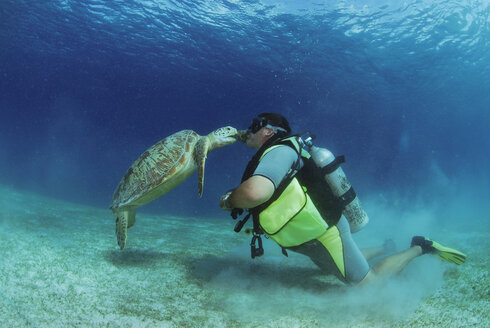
156, 167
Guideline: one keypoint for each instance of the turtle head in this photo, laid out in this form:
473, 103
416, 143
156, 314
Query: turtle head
225, 136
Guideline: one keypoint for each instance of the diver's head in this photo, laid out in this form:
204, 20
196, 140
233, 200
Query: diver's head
265, 126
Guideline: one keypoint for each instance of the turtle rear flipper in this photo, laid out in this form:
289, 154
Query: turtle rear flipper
200, 154
124, 220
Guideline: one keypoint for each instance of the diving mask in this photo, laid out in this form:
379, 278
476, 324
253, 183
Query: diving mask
259, 123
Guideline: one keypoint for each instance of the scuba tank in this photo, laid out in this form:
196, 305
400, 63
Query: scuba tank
337, 181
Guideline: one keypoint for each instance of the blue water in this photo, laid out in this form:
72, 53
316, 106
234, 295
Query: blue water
401, 88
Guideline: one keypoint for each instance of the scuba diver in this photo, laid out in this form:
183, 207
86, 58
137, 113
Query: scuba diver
298, 196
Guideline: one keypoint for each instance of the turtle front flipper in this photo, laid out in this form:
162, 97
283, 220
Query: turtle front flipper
200, 153
124, 220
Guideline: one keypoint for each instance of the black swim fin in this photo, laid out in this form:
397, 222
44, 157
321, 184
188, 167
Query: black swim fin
443, 252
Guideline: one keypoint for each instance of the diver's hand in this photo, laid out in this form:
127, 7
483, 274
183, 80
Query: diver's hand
224, 204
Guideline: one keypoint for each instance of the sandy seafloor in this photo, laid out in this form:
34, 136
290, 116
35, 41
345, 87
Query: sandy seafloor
60, 267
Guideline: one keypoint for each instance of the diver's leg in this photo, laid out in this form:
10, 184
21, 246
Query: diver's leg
387, 248
336, 252
393, 264
355, 263
370, 253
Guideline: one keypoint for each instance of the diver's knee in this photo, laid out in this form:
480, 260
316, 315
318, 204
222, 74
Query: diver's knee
368, 278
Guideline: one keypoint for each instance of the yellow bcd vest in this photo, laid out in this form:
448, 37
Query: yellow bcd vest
292, 219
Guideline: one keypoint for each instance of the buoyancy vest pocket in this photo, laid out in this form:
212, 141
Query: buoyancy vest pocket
292, 219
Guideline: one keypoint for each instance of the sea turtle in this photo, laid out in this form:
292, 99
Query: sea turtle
163, 167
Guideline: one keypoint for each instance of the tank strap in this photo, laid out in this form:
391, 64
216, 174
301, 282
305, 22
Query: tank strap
347, 197
279, 190
329, 168
254, 162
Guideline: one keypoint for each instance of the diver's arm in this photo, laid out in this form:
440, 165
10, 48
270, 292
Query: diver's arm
272, 169
251, 193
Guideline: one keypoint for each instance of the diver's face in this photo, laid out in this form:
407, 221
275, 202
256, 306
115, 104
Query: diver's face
257, 139
251, 140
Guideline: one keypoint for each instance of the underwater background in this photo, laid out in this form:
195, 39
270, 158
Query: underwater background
402, 89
